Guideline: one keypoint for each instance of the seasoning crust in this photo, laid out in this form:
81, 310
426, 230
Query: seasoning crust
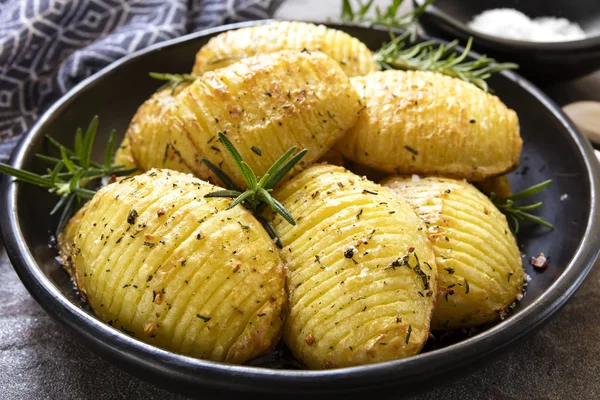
361, 271
229, 47
426, 123
480, 267
158, 261
268, 102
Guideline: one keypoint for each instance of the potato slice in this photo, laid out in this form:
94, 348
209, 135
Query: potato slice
430, 124
264, 104
362, 274
480, 268
157, 260
229, 47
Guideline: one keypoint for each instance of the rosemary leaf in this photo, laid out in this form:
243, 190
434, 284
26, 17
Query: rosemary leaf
88, 142
270, 230
516, 213
224, 193
239, 199
223, 177
110, 149
401, 53
276, 177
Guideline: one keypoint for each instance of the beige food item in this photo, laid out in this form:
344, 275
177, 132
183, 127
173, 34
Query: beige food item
427, 123
229, 47
264, 104
480, 268
362, 277
157, 260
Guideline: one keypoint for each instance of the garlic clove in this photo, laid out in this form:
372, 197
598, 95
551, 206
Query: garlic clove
586, 116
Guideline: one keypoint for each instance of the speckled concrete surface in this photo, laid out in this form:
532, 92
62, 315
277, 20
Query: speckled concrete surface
38, 360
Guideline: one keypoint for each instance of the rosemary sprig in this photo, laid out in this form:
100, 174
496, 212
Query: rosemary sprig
519, 213
72, 173
399, 53
359, 13
173, 80
402, 52
258, 192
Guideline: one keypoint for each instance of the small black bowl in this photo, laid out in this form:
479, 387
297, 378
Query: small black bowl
541, 62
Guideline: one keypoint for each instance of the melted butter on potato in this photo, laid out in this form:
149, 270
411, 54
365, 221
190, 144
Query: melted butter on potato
264, 104
229, 47
362, 275
157, 260
427, 123
480, 266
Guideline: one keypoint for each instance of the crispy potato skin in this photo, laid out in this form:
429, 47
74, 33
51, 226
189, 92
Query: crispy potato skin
480, 267
158, 260
427, 123
352, 55
271, 102
366, 308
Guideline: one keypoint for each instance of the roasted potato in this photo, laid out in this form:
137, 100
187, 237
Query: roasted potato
157, 260
362, 276
229, 47
427, 123
264, 104
480, 268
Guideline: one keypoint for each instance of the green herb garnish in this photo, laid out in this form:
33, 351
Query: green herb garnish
403, 52
519, 213
72, 173
258, 192
173, 80
359, 13
400, 53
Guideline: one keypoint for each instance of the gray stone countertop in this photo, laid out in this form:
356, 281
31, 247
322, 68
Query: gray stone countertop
38, 360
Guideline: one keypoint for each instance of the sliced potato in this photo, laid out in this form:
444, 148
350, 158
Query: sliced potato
157, 260
229, 47
362, 275
264, 104
480, 268
427, 123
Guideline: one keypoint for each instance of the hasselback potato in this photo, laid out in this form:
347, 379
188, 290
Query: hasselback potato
362, 275
157, 260
480, 267
229, 47
427, 123
264, 104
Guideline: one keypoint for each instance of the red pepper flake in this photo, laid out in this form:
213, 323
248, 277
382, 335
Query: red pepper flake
540, 262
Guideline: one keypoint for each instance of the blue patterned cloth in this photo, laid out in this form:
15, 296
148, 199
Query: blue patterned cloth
47, 46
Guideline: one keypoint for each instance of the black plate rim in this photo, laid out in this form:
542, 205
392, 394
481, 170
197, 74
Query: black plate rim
121, 348
588, 43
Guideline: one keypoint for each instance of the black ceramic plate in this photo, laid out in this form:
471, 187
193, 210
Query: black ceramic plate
552, 149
